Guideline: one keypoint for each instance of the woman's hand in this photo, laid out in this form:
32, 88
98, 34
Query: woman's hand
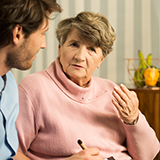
127, 104
87, 154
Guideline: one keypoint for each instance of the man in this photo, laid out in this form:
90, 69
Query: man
23, 24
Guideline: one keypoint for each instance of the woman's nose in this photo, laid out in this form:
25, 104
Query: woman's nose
81, 54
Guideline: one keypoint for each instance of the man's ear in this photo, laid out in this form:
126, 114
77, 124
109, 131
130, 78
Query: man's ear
17, 34
59, 49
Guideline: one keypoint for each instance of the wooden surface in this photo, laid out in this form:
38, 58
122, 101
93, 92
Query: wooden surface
149, 104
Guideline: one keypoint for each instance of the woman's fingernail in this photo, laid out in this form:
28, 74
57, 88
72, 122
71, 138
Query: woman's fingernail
122, 85
116, 88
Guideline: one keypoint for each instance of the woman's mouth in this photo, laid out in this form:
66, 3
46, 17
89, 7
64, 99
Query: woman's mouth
77, 66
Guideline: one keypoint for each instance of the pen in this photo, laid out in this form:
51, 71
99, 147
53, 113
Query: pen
82, 145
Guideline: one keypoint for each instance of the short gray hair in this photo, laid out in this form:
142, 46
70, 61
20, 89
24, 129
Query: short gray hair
93, 27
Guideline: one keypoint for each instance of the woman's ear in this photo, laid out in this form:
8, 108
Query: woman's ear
17, 34
98, 66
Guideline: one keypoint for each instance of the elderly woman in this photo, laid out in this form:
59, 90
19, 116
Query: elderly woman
65, 102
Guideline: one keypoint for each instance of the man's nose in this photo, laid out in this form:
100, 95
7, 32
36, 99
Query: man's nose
44, 44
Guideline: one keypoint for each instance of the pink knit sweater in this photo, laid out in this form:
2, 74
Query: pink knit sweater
55, 113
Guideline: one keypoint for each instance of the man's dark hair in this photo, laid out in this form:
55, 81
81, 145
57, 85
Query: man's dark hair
29, 14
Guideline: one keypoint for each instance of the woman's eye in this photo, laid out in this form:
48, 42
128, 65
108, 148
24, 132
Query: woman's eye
74, 44
92, 49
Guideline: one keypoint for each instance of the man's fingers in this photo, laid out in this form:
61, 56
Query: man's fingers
93, 151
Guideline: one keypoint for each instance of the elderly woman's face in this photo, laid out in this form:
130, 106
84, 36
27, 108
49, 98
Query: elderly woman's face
79, 59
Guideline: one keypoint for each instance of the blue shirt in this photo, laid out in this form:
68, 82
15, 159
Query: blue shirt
9, 109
